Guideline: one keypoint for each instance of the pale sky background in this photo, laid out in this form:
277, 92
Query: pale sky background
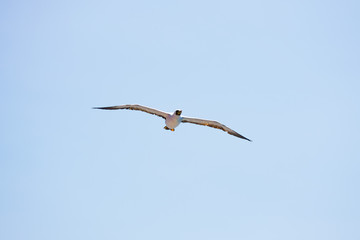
282, 73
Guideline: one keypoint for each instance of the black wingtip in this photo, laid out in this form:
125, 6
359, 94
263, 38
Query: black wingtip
242, 137
247, 139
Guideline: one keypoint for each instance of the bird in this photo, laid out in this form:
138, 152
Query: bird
173, 120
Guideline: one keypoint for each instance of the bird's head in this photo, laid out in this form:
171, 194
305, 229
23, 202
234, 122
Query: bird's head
178, 112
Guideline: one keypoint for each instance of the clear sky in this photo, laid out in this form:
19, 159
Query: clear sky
282, 73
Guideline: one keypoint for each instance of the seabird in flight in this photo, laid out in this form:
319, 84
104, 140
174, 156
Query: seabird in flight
173, 120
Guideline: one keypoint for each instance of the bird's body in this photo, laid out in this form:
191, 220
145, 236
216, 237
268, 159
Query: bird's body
173, 120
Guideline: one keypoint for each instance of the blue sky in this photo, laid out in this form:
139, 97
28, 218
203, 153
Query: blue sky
282, 73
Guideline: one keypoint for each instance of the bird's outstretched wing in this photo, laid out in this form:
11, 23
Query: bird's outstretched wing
138, 108
213, 124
